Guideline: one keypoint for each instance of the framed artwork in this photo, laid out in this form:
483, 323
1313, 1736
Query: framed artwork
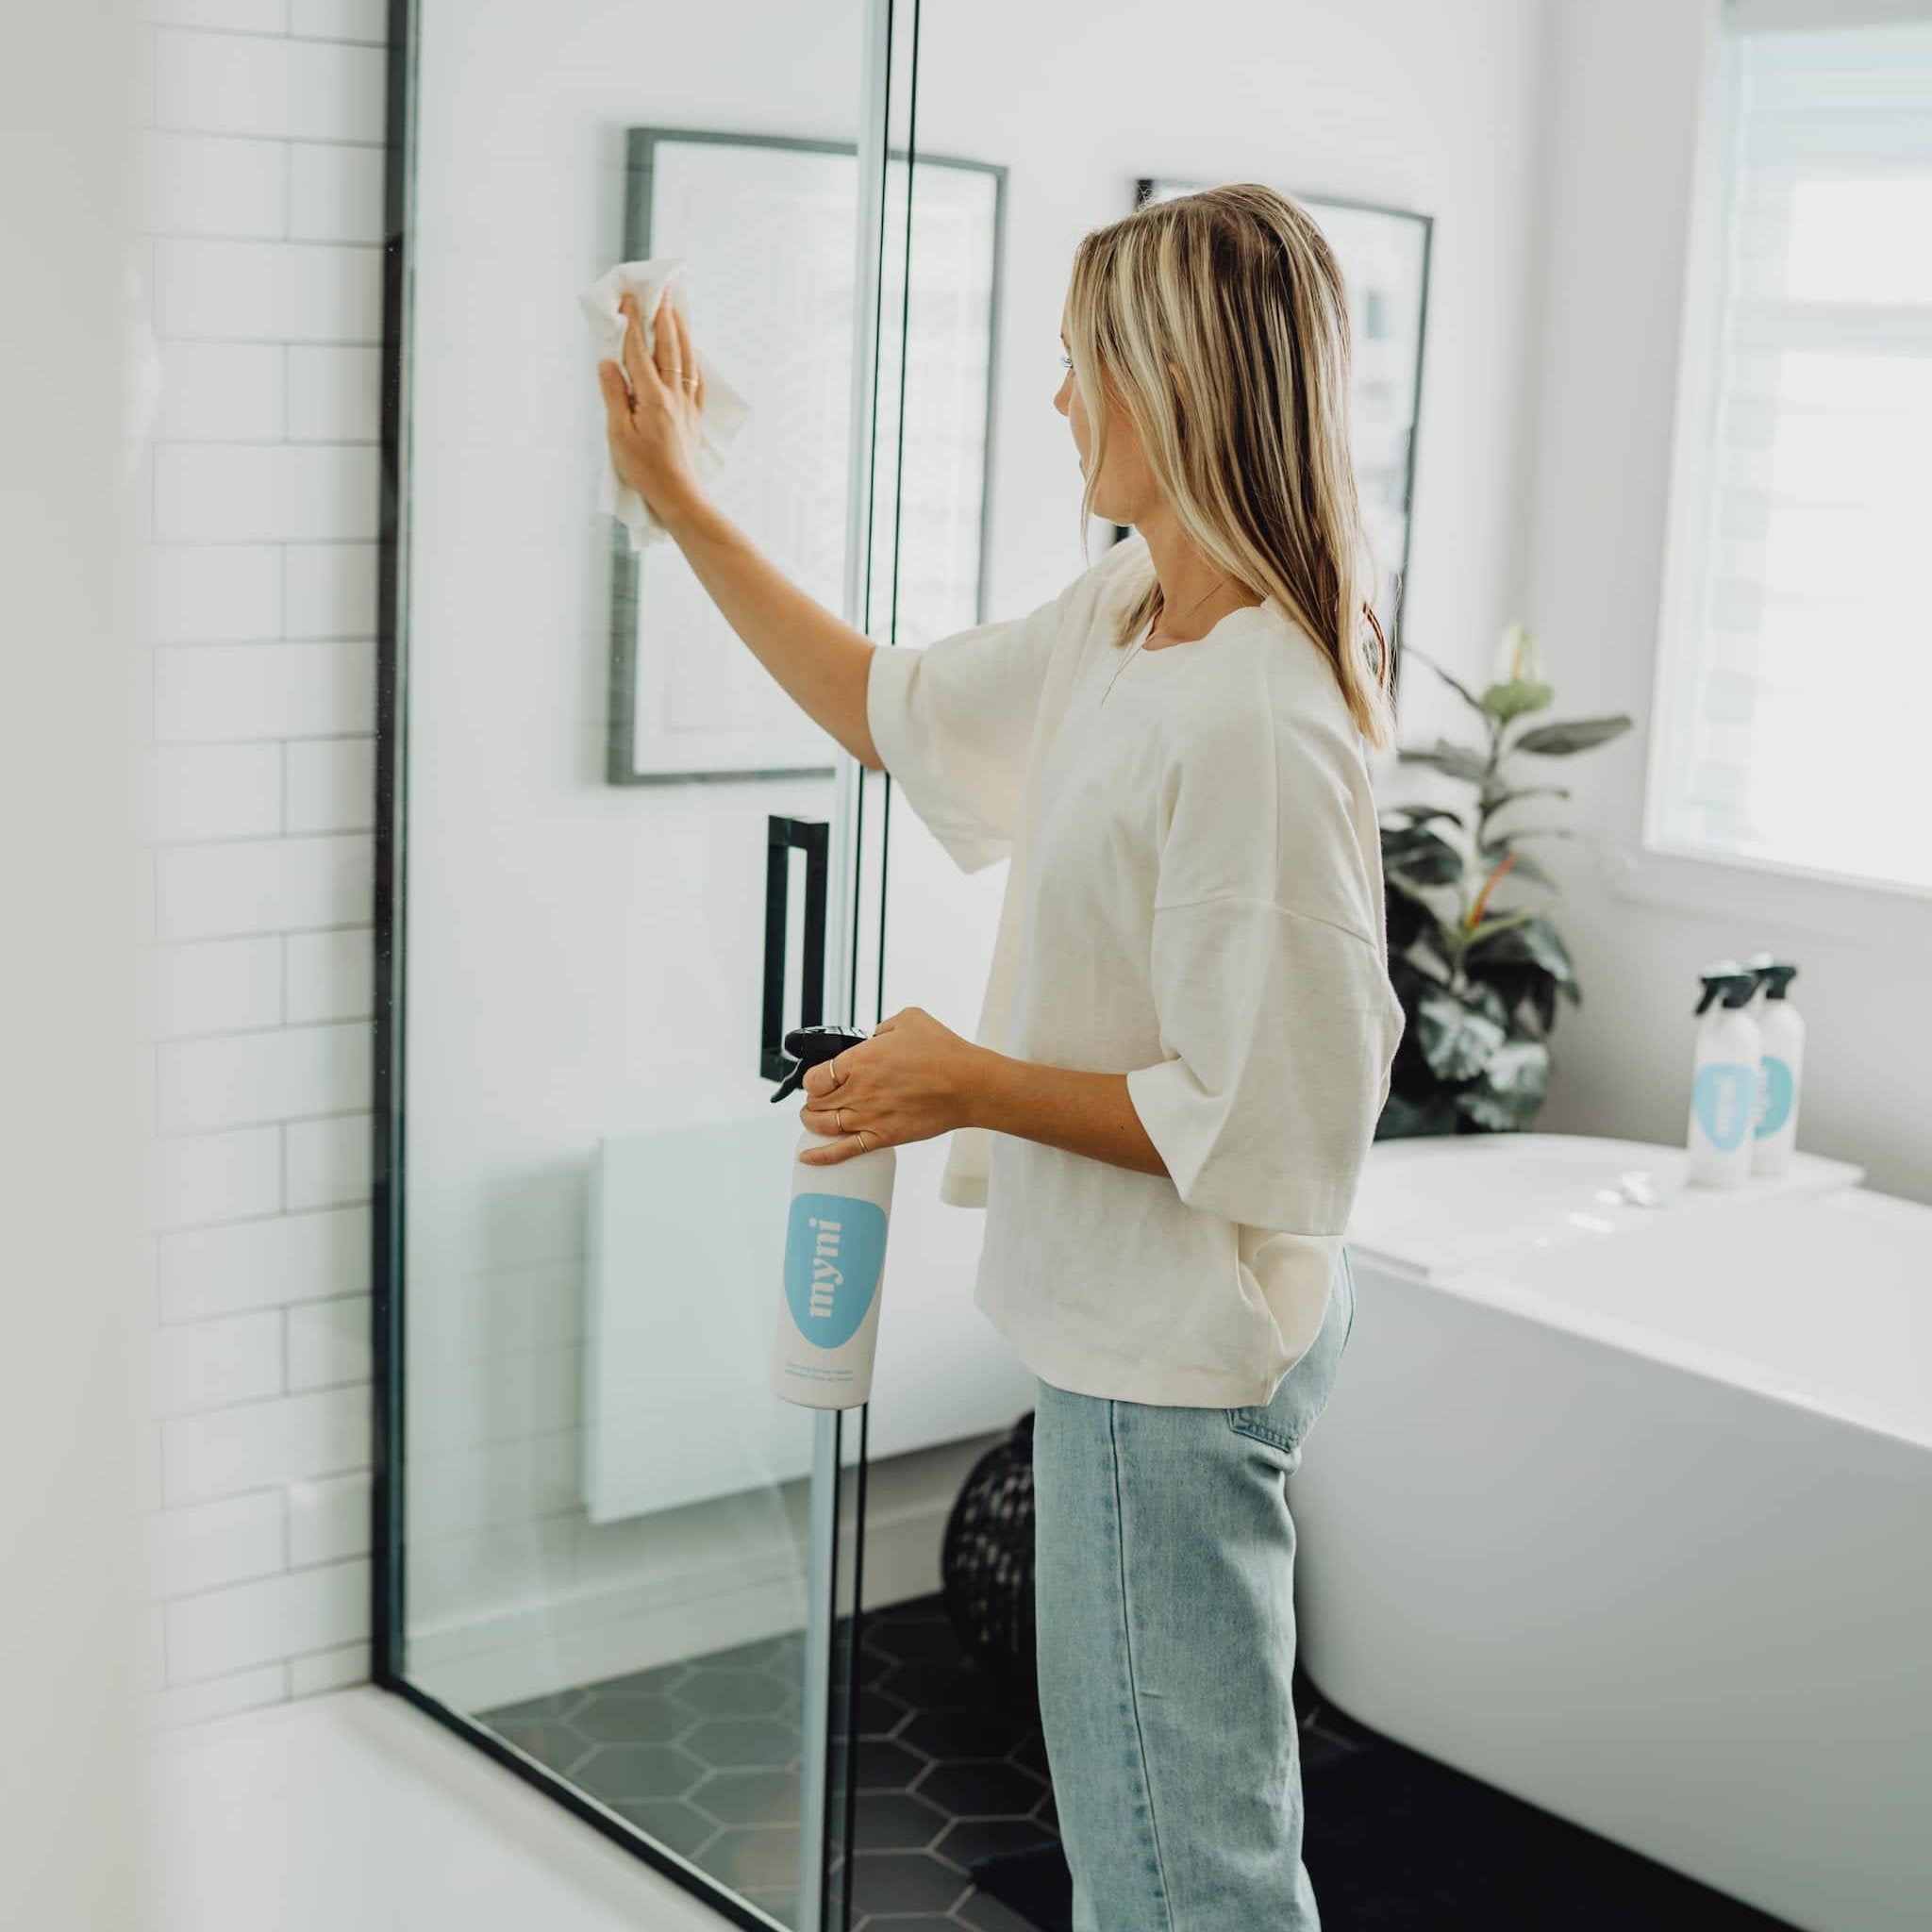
1384, 253
767, 226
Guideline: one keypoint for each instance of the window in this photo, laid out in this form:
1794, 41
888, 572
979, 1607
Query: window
1793, 720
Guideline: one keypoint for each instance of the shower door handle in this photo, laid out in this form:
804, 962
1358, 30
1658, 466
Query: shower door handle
813, 836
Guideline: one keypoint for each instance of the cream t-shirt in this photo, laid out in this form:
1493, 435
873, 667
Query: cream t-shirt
1201, 913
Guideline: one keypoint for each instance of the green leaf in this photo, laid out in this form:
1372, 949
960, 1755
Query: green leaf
1516, 698
1420, 856
1410, 919
1494, 800
1425, 814
1577, 734
1501, 923
1514, 1084
1455, 1041
1491, 1004
1403, 1118
1533, 942
1526, 867
1452, 759
1462, 690
1412, 984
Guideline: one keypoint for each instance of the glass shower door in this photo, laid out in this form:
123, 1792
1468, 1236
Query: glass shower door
618, 864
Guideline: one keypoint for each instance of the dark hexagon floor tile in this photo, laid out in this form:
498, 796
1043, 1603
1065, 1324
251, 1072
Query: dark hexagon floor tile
895, 1822
755, 1857
734, 1693
879, 1713
1031, 1752
983, 1912
553, 1705
886, 1882
633, 1720
556, 1744
660, 1681
674, 1821
982, 1838
991, 1732
916, 1641
938, 1686
1048, 1812
736, 1740
977, 1789
765, 1797
881, 1765
638, 1771
756, 1656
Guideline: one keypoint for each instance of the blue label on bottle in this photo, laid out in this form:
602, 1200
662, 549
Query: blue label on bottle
834, 1249
1775, 1103
1723, 1097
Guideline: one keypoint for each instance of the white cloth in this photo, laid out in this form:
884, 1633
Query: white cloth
1194, 900
724, 409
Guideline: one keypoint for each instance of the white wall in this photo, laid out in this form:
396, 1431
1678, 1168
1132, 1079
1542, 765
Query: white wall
1400, 102
1624, 88
257, 609
70, 1815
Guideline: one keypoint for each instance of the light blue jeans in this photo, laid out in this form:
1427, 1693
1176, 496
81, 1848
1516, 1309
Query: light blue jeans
1164, 1588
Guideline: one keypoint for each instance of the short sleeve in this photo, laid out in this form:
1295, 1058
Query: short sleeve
1278, 1030
953, 722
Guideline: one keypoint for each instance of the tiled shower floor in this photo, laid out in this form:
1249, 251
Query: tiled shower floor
705, 1756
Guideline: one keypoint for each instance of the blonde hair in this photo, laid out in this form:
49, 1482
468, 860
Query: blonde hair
1219, 322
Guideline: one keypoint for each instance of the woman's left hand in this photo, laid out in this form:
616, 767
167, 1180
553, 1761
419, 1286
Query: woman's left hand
912, 1079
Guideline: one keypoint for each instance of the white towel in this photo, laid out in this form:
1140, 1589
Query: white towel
724, 409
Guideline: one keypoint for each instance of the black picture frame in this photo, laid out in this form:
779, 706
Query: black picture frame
641, 148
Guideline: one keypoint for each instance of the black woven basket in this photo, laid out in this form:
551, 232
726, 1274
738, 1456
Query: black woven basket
986, 1563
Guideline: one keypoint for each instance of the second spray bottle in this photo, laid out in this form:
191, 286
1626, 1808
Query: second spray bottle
1750, 1060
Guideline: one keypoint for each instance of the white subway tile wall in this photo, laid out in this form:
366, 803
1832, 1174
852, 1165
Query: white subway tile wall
256, 587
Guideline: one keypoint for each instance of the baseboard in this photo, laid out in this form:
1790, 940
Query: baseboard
528, 1650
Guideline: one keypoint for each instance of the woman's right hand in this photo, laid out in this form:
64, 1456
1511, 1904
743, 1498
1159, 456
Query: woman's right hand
652, 424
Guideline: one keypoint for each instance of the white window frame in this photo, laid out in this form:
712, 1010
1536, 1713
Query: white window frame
1727, 885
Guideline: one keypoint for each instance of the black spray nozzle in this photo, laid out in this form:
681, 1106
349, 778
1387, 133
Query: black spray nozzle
1730, 982
1772, 973
808, 1046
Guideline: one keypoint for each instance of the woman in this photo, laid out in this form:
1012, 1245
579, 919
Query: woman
1202, 1015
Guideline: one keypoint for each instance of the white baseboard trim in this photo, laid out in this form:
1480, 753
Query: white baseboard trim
527, 1650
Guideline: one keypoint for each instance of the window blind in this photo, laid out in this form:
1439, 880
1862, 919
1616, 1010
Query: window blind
1796, 720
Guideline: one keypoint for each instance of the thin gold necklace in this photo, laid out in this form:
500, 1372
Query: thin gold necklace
1220, 584
1140, 643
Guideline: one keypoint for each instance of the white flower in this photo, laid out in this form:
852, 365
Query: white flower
1517, 661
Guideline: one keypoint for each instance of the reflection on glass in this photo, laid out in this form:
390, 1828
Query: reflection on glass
609, 1519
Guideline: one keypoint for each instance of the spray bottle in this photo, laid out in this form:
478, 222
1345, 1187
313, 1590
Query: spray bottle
1781, 1033
1724, 1088
835, 1253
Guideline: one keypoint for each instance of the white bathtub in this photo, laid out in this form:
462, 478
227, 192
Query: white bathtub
1628, 1510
